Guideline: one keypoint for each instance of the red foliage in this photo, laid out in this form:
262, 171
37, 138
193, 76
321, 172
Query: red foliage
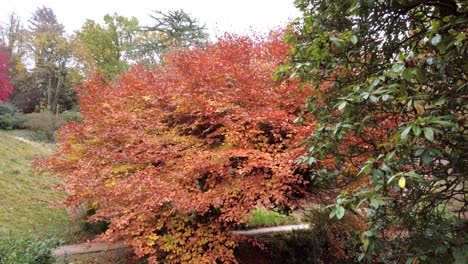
5, 87
175, 158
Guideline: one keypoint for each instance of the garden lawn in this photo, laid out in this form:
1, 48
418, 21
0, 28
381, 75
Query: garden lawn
24, 195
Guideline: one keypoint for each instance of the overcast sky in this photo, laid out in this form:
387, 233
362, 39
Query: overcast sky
239, 16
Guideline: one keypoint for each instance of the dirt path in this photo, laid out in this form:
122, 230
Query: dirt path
30, 142
87, 248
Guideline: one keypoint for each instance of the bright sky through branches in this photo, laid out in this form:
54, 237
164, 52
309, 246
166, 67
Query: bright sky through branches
240, 16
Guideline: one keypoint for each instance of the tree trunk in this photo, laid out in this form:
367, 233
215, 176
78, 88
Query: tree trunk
57, 91
49, 92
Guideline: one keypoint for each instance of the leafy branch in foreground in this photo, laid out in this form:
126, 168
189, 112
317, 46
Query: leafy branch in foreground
392, 128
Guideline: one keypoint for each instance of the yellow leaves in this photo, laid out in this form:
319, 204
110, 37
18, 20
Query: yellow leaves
419, 108
119, 169
230, 243
19, 67
95, 204
188, 232
402, 182
146, 98
106, 105
152, 239
126, 169
110, 183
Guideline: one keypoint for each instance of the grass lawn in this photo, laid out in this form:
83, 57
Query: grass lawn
24, 194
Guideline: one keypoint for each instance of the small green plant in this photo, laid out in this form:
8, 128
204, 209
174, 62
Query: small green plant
27, 249
263, 217
72, 115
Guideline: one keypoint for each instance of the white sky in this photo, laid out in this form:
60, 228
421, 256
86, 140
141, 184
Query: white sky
238, 16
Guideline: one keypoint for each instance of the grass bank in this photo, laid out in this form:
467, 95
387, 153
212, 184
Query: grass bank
25, 196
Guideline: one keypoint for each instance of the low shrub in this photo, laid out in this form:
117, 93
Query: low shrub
10, 116
72, 115
44, 124
327, 241
26, 250
92, 228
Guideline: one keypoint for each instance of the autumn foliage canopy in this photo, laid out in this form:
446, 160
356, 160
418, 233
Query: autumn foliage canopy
176, 157
5, 87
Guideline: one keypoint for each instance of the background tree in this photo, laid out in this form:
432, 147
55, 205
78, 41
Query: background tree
51, 53
13, 36
392, 127
5, 87
111, 46
171, 29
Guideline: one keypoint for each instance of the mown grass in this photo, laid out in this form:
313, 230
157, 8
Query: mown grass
24, 195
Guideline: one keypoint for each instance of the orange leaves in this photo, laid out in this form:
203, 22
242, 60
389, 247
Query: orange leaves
178, 155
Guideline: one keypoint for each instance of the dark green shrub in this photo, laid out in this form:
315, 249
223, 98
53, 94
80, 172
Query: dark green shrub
26, 250
87, 229
327, 241
72, 115
10, 116
302, 246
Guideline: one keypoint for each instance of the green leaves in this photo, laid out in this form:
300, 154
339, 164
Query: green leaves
109, 46
337, 211
376, 203
342, 105
365, 169
429, 133
340, 211
404, 134
396, 74
416, 130
338, 42
426, 126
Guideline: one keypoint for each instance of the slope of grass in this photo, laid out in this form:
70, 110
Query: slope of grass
24, 195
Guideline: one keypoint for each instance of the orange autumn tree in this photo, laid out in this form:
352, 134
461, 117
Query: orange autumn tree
176, 157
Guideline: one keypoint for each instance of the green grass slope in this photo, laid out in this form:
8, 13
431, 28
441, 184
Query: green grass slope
24, 194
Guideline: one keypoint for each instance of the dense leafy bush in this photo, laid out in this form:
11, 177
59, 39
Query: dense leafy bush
26, 250
177, 157
10, 116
